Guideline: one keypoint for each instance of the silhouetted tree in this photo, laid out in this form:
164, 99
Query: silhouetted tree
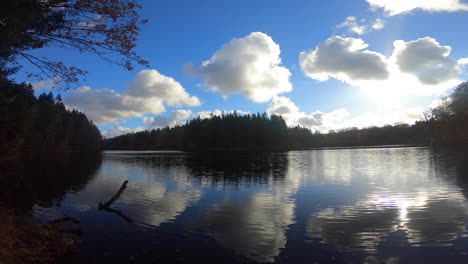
459, 102
101, 27
448, 121
445, 124
30, 126
225, 132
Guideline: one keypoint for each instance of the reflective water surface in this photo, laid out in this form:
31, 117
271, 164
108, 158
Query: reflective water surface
388, 205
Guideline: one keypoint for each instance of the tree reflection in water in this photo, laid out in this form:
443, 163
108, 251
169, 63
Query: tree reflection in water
45, 181
354, 205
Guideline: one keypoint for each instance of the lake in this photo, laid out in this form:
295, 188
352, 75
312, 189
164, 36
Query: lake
378, 205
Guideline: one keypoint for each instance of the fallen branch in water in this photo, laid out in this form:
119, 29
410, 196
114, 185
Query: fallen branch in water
114, 198
106, 205
119, 213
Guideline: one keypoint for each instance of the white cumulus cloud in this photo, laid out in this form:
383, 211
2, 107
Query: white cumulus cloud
426, 59
420, 67
46, 84
340, 118
397, 116
463, 62
353, 25
344, 59
148, 93
395, 7
105, 105
316, 121
378, 24
160, 121
249, 66
151, 83
117, 130
217, 112
361, 26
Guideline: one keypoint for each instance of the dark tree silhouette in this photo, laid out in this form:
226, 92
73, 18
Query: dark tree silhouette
260, 132
443, 125
448, 122
459, 102
30, 126
226, 132
101, 27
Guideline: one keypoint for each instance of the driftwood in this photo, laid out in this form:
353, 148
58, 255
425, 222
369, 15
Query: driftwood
114, 198
106, 206
119, 213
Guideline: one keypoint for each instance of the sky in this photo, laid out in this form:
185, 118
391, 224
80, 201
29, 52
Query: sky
321, 64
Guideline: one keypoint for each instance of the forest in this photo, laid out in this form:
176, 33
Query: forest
226, 132
31, 126
260, 132
446, 124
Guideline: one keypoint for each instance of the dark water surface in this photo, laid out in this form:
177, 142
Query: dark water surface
389, 205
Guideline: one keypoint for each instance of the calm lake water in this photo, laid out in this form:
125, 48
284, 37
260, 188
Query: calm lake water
385, 205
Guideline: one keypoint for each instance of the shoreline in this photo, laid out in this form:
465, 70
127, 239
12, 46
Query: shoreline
265, 150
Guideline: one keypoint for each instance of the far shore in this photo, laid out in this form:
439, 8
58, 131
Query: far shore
264, 150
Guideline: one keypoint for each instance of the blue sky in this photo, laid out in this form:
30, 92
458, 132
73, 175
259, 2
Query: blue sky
321, 64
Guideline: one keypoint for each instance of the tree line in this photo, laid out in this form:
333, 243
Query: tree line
30, 126
260, 132
446, 124
105, 28
225, 132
